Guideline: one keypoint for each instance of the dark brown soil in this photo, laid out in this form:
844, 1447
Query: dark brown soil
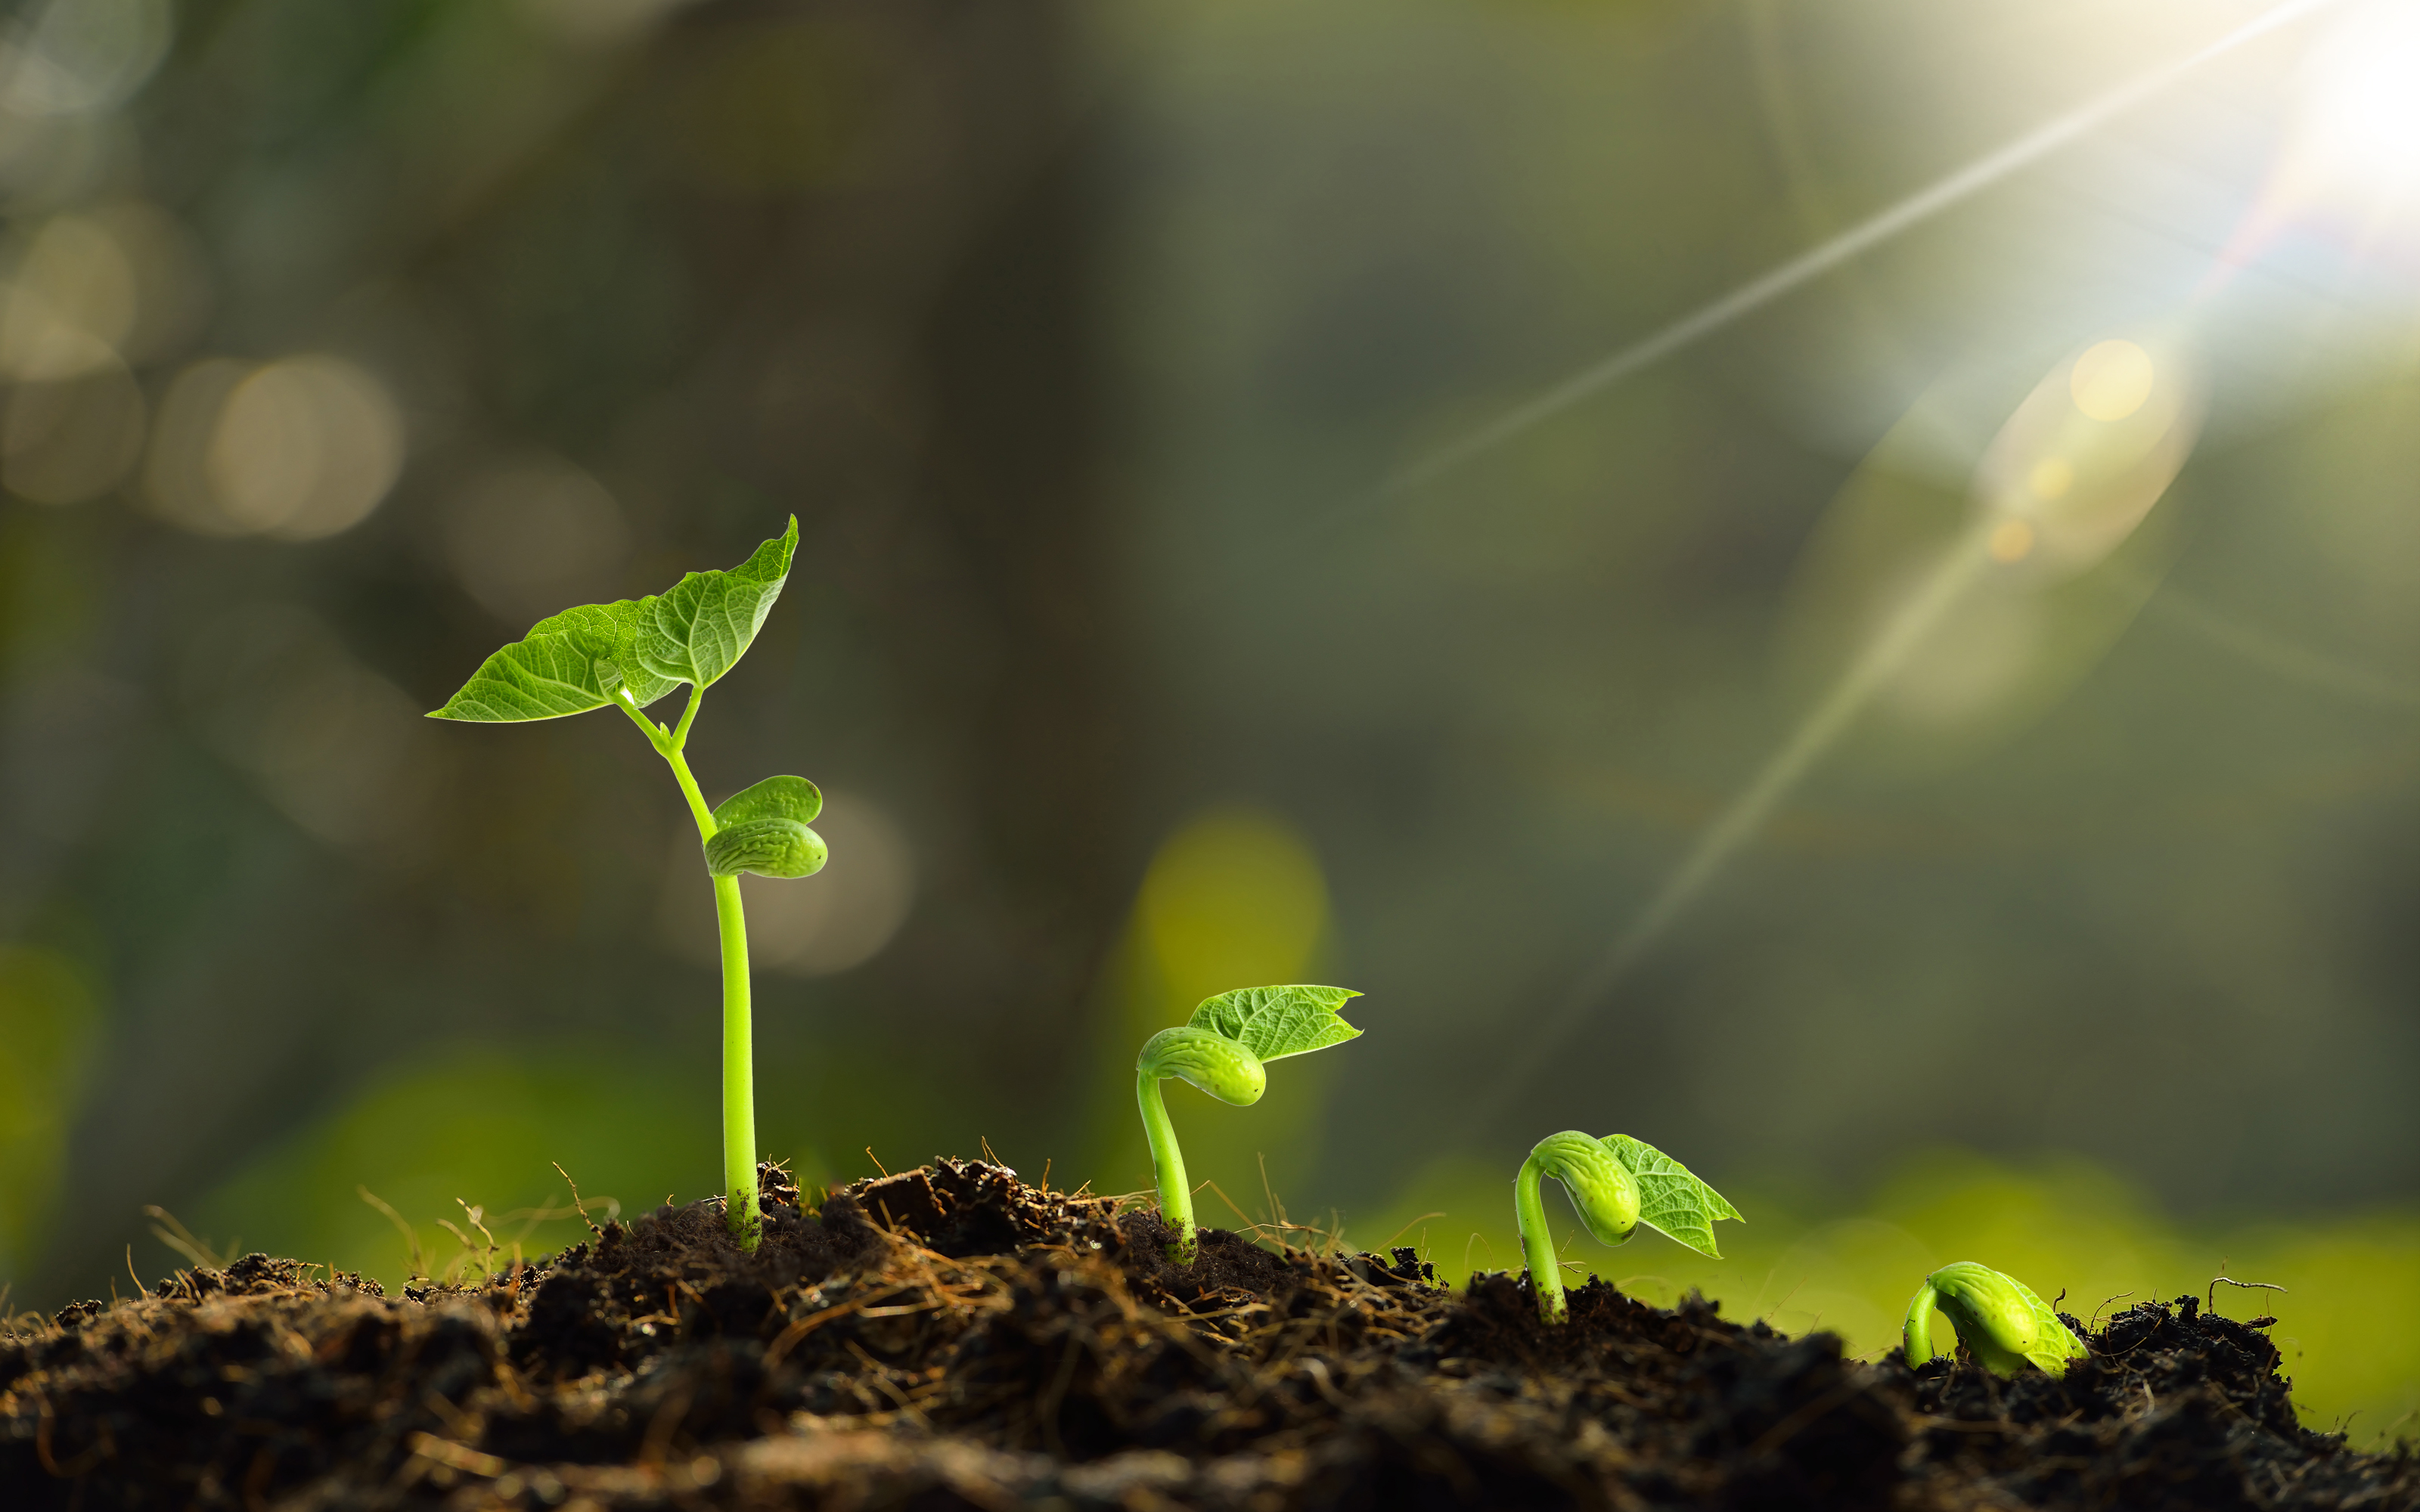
951, 1337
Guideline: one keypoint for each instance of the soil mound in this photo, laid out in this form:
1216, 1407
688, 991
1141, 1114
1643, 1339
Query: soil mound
953, 1337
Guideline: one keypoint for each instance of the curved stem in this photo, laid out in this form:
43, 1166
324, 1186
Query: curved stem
1537, 1245
1166, 1166
1916, 1335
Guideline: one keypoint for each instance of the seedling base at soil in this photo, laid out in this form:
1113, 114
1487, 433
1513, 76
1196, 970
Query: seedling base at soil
953, 1337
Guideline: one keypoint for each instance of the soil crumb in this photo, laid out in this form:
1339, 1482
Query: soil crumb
953, 1337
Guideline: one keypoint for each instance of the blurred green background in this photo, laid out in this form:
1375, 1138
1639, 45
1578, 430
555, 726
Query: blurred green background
1947, 778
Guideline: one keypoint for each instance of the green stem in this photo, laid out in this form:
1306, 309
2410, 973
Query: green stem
1166, 1166
688, 716
738, 1067
1537, 1245
1916, 1335
739, 1055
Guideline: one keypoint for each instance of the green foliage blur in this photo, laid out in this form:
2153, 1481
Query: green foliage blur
1960, 703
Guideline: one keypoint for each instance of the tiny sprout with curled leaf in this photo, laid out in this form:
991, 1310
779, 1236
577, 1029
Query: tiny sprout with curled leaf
1998, 1317
1617, 1183
1222, 1049
629, 654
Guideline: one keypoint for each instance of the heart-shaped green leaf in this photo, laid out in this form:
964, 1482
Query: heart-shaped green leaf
696, 629
1673, 1202
1275, 1022
579, 659
768, 847
793, 798
568, 663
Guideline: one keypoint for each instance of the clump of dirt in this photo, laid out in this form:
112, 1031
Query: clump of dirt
952, 1336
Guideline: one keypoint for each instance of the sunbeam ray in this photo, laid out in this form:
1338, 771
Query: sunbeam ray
1746, 816
1757, 292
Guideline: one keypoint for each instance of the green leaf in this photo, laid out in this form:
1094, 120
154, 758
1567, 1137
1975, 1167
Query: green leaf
1671, 1201
768, 847
2054, 1343
2002, 1322
699, 628
568, 664
763, 829
794, 798
1275, 1022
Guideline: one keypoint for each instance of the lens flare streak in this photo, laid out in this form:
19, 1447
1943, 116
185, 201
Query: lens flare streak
1916, 208
1746, 815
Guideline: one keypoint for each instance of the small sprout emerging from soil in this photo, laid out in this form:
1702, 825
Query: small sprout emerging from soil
1998, 1318
1221, 1050
628, 655
1617, 1183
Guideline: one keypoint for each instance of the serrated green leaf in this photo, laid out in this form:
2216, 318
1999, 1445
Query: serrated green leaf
698, 628
1275, 1022
1673, 1202
570, 663
768, 847
794, 798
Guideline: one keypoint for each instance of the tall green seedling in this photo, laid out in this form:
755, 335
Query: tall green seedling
1222, 1049
1617, 1183
628, 655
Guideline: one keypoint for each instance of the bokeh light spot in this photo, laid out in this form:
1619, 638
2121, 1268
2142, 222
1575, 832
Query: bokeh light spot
70, 304
2052, 477
820, 926
2013, 540
1234, 898
2112, 381
303, 448
535, 534
75, 58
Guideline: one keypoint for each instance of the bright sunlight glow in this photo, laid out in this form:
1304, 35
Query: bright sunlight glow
2359, 126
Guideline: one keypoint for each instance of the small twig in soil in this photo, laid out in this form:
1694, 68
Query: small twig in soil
1423, 1218
662, 1428
2211, 1297
1241, 1216
1476, 1238
576, 1205
789, 1337
178, 1238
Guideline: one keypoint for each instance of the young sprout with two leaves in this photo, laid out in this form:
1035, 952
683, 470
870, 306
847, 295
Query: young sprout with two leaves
1617, 1183
629, 654
1222, 1049
1999, 1319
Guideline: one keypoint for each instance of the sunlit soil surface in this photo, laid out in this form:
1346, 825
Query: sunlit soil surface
951, 1337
